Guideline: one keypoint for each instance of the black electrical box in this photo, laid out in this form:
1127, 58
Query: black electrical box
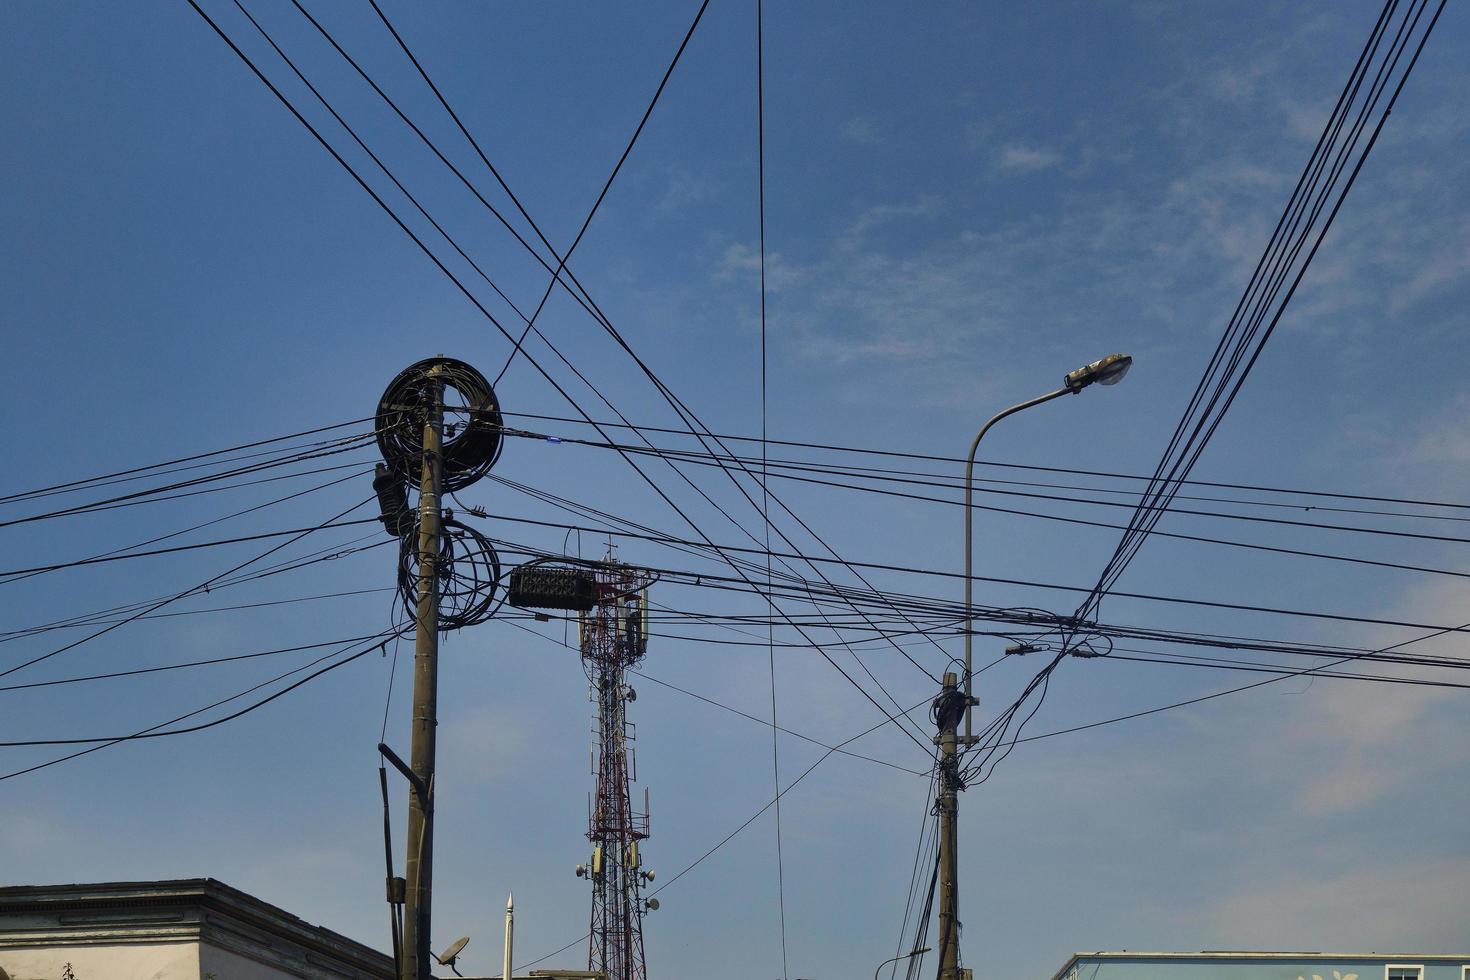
547, 587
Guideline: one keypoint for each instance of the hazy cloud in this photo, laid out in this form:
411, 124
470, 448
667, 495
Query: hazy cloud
861, 129
682, 189
1373, 907
740, 261
1026, 158
486, 742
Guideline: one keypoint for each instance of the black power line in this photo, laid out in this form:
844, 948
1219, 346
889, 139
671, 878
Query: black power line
479, 306
153, 731
720, 704
941, 481
587, 304
331, 553
154, 493
160, 668
960, 461
760, 156
202, 586
172, 464
1175, 535
15, 573
1259, 311
1179, 600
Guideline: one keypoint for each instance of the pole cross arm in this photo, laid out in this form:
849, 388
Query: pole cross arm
419, 786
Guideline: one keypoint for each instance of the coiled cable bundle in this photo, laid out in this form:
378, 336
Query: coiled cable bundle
472, 438
468, 572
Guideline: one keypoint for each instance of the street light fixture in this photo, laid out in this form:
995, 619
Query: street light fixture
905, 956
1106, 371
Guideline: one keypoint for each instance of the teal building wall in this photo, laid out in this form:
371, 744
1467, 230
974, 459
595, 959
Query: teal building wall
1269, 966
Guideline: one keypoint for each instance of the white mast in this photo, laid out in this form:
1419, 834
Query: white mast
509, 933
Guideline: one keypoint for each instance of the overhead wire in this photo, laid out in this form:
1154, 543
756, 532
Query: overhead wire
788, 788
510, 621
209, 610
1225, 370
760, 103
465, 291
1307, 671
98, 744
1148, 597
1187, 661
172, 465
561, 260
154, 607
161, 492
18, 573
917, 480
927, 845
1366, 655
331, 553
670, 576
1225, 542
941, 481
6, 579
574, 507
1043, 676
581, 294
960, 461
161, 668
1249, 329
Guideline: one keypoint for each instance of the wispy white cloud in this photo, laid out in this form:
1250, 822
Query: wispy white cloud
682, 188
861, 129
1360, 744
1171, 258
1342, 750
1450, 267
883, 295
1375, 907
1440, 441
740, 261
858, 231
1026, 158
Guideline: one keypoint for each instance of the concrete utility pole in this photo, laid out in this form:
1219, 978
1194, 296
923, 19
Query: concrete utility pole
948, 708
420, 857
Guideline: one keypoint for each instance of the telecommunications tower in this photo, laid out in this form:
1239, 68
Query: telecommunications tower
614, 637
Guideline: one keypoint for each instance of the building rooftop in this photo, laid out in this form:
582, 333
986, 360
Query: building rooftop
192, 909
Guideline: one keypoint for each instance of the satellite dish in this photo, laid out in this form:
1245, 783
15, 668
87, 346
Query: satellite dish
451, 954
653, 905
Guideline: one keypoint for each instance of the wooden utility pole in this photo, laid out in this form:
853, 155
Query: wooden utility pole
948, 708
420, 857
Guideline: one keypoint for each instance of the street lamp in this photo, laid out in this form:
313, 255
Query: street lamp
1106, 371
905, 956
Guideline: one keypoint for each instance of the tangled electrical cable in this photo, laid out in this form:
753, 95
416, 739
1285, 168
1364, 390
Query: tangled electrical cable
465, 572
470, 452
468, 572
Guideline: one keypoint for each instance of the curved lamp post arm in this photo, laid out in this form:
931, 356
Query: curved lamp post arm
892, 959
969, 523
1104, 371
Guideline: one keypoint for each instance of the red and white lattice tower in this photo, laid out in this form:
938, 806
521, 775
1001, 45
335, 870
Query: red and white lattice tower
614, 637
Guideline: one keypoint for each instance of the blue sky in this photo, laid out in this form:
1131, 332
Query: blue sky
963, 202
